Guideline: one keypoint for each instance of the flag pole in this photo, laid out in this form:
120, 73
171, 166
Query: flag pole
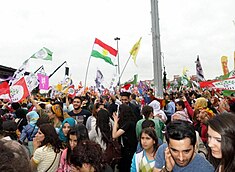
124, 67
57, 69
88, 67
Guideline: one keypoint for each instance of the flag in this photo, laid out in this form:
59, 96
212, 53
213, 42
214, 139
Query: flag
199, 70
133, 80
103, 51
43, 82
19, 90
31, 81
19, 72
44, 54
99, 78
4, 90
224, 62
71, 91
135, 49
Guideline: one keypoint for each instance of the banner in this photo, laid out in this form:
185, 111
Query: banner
43, 82
31, 81
19, 90
227, 84
4, 90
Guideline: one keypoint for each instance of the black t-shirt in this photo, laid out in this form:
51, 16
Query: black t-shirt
81, 117
129, 137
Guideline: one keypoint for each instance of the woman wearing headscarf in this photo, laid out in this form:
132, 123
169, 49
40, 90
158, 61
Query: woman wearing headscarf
63, 132
56, 116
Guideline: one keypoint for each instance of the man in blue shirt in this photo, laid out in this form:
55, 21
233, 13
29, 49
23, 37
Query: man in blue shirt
179, 153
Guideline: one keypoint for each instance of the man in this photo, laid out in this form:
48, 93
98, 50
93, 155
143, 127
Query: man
147, 111
170, 107
125, 99
179, 152
78, 113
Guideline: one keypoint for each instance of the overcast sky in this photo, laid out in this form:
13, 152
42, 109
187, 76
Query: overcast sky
68, 28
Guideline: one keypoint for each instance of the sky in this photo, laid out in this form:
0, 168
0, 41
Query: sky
69, 28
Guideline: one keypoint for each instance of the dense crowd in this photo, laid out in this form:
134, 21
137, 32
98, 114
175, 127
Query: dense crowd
188, 130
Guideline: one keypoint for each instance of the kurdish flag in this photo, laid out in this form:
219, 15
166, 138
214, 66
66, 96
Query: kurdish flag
44, 54
103, 51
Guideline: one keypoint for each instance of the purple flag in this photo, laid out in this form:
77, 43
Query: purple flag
44, 82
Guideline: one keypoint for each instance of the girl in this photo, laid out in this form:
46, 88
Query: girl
145, 159
63, 132
102, 128
221, 141
55, 114
75, 135
47, 146
124, 127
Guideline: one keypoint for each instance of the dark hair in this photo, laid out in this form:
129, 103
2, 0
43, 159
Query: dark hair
43, 120
51, 137
179, 130
126, 114
180, 103
224, 125
78, 97
152, 133
87, 152
102, 122
147, 110
96, 106
9, 128
81, 133
11, 152
147, 123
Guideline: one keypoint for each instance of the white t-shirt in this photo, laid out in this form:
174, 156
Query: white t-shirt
44, 156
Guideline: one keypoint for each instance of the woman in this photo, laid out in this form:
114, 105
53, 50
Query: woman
221, 141
63, 132
101, 134
124, 127
145, 159
75, 135
47, 146
56, 116
91, 121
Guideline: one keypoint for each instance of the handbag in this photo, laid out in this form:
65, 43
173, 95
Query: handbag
112, 154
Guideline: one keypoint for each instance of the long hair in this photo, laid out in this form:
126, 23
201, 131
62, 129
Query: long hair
51, 137
102, 122
126, 114
224, 125
151, 133
80, 131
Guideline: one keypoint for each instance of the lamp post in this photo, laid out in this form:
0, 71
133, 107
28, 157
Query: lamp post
118, 39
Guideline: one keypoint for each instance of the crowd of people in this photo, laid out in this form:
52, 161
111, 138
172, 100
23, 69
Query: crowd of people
188, 130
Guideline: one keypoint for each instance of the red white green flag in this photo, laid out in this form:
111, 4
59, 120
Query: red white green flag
104, 51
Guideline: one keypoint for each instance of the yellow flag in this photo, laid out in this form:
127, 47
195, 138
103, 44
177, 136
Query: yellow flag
224, 62
135, 49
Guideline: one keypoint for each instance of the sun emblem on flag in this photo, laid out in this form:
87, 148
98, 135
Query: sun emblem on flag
105, 52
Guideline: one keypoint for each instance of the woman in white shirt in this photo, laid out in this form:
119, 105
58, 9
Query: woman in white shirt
47, 146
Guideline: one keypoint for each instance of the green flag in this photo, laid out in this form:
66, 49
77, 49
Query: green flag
44, 54
133, 80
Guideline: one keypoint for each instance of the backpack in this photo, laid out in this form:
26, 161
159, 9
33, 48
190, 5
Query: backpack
112, 154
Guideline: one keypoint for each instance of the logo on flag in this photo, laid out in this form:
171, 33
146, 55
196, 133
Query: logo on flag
19, 90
